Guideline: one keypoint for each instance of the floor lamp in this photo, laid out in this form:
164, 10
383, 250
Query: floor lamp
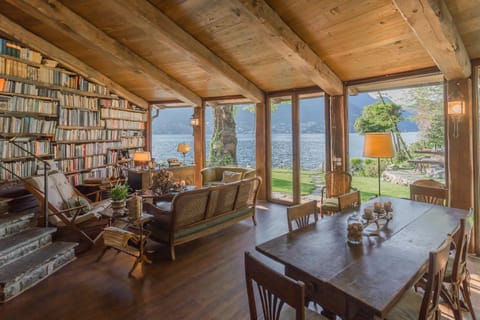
378, 145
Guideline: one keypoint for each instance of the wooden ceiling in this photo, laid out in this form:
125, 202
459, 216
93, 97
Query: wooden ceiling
192, 50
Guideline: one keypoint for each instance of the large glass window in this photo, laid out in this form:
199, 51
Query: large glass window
169, 129
415, 118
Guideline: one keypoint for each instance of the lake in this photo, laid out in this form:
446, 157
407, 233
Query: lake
312, 148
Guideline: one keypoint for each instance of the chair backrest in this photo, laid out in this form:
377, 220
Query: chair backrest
274, 290
430, 191
337, 183
462, 239
436, 270
301, 214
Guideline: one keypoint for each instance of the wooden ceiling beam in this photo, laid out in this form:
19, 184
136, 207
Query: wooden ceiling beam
287, 43
24, 36
434, 27
146, 16
62, 19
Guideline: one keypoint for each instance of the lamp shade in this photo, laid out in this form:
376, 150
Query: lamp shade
142, 156
183, 148
378, 145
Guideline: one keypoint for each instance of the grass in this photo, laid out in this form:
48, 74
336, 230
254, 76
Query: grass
368, 186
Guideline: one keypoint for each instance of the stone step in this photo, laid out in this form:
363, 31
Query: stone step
12, 223
20, 244
26, 272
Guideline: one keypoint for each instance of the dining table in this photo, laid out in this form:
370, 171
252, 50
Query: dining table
366, 280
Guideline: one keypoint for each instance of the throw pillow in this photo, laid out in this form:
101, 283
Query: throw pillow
231, 176
77, 202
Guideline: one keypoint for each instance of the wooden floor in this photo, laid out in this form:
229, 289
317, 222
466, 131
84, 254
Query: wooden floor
205, 282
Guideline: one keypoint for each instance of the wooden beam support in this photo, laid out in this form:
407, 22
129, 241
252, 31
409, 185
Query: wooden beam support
287, 43
148, 17
62, 19
434, 27
261, 147
459, 134
22, 35
338, 134
199, 143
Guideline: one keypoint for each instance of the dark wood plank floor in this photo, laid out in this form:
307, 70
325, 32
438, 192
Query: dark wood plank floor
205, 282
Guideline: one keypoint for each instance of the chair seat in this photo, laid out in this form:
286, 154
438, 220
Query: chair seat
330, 203
407, 308
289, 313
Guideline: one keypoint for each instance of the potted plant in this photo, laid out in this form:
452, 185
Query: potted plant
118, 194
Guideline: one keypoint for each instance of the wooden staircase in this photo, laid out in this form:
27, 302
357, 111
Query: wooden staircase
27, 253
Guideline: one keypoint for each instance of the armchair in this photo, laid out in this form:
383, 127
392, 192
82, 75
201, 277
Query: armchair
67, 206
338, 194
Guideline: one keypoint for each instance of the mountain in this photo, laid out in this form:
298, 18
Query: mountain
177, 120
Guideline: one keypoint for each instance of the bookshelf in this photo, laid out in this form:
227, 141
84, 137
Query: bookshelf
88, 131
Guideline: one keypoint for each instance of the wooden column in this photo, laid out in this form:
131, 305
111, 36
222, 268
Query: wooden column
199, 143
475, 241
261, 147
460, 145
338, 134
148, 130
296, 148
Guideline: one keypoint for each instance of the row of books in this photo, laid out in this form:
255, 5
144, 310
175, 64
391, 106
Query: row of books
81, 163
22, 104
124, 124
26, 88
66, 150
14, 49
79, 178
18, 69
9, 150
120, 114
78, 101
27, 125
133, 141
20, 168
91, 134
116, 103
78, 117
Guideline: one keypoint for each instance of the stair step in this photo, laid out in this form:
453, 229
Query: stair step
20, 244
12, 223
26, 272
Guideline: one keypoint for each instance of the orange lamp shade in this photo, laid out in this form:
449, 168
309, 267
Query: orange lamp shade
183, 148
142, 156
378, 145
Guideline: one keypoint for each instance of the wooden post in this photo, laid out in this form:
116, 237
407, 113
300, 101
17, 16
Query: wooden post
296, 148
460, 145
475, 241
199, 143
260, 147
338, 134
148, 130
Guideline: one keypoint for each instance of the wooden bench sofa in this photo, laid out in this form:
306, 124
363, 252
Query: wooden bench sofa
197, 213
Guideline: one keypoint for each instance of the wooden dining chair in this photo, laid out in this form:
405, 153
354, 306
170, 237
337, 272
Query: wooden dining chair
275, 290
413, 305
457, 278
429, 191
301, 214
338, 194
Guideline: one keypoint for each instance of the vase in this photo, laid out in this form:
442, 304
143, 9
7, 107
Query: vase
118, 207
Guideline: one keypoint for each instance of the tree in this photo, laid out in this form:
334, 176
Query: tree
428, 104
223, 145
383, 117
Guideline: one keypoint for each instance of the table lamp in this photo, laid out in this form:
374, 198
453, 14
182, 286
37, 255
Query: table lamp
378, 145
183, 148
141, 158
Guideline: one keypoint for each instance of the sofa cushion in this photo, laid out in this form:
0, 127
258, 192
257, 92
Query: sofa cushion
231, 176
77, 202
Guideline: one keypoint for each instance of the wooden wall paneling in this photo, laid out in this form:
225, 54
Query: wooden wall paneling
475, 243
261, 147
296, 148
33, 41
199, 143
460, 148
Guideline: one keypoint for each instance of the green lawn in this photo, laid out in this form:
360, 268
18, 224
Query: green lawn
368, 186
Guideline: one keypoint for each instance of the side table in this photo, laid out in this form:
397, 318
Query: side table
119, 236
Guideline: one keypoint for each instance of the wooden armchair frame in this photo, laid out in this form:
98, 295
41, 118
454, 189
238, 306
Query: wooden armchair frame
73, 221
338, 194
429, 191
301, 214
